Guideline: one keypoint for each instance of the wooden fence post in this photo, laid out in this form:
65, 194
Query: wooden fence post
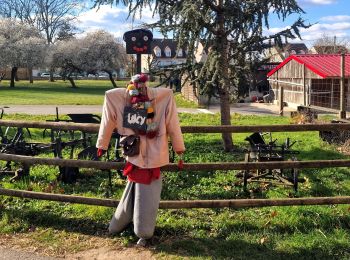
304, 86
342, 110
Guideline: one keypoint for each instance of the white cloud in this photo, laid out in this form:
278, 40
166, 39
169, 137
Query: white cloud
112, 19
319, 2
336, 18
316, 31
328, 27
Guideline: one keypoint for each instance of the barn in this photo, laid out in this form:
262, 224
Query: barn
312, 80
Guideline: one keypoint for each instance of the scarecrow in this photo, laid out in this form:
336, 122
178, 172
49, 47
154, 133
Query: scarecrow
145, 117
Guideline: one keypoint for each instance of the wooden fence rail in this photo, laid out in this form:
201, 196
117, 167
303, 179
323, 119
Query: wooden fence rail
28, 160
236, 203
179, 204
93, 128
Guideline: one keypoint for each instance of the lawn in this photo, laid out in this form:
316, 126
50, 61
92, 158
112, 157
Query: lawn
304, 232
42, 92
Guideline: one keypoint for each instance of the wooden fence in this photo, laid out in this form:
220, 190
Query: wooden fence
235, 203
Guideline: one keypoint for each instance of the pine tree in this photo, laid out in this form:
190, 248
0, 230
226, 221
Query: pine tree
231, 30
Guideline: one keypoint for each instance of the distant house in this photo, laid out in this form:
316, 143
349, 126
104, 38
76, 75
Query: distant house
165, 52
278, 54
311, 80
259, 85
328, 49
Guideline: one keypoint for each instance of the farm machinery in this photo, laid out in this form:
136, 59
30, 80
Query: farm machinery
59, 143
261, 150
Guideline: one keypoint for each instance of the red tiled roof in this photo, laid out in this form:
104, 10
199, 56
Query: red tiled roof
324, 65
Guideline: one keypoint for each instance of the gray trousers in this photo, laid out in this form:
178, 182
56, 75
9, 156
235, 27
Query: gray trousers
139, 204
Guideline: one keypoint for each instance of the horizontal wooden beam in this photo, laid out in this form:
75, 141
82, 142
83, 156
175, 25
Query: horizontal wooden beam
286, 82
93, 128
180, 204
173, 166
89, 128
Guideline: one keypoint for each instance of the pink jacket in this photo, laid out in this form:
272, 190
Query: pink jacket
153, 152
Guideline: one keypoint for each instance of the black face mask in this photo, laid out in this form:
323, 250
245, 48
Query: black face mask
138, 41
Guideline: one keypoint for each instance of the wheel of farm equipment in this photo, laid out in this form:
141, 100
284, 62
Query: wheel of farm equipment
293, 176
68, 174
89, 153
246, 172
20, 173
295, 173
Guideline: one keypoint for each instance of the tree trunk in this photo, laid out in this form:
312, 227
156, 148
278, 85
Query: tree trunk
51, 76
16, 76
224, 94
112, 80
30, 74
226, 119
223, 71
2, 76
71, 80
13, 76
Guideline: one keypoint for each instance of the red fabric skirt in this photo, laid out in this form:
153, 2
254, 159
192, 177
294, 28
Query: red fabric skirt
139, 175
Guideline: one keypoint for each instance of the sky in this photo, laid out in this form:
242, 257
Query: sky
327, 17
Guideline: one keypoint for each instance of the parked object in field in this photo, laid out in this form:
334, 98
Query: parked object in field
47, 75
262, 151
17, 140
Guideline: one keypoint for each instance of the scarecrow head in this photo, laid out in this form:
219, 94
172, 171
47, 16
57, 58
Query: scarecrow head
138, 41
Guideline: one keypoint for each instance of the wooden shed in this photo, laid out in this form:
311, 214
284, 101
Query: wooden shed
313, 80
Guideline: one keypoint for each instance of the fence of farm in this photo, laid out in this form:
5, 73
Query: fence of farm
232, 203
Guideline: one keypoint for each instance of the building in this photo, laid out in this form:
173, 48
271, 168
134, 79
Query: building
278, 54
165, 52
311, 80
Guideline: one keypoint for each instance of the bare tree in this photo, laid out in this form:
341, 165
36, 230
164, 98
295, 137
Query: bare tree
52, 15
6, 9
331, 44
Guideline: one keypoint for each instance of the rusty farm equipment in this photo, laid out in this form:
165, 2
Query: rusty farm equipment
262, 151
74, 144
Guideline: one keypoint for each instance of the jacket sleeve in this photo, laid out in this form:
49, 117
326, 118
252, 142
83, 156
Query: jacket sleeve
173, 126
108, 124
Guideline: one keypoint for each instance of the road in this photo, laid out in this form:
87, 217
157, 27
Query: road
241, 108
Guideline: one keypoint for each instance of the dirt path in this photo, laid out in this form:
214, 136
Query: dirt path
107, 253
25, 247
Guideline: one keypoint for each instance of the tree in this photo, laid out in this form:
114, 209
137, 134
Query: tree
101, 52
33, 52
330, 45
23, 10
21, 45
67, 32
230, 29
65, 56
54, 18
97, 51
54, 15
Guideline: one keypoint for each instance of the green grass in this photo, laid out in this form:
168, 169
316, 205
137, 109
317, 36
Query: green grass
304, 232
42, 92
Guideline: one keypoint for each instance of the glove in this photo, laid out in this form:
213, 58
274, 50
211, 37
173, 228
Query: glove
100, 152
180, 163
